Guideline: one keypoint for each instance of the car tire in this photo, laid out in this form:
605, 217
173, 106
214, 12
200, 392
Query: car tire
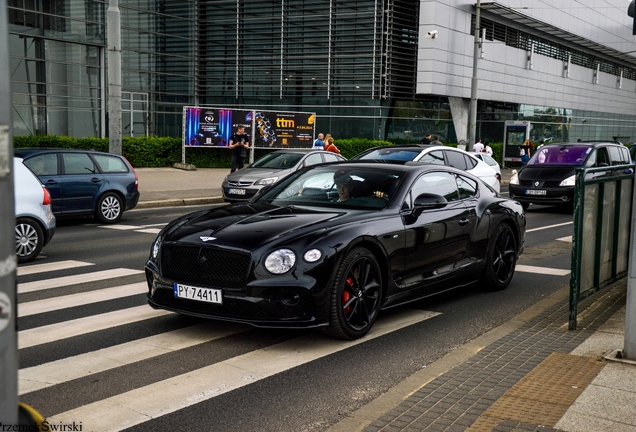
109, 208
501, 259
29, 240
356, 295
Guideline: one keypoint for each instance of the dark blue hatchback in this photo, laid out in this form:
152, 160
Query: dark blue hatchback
84, 183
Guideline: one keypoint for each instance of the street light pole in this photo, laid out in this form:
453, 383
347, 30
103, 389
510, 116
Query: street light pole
114, 77
472, 123
8, 297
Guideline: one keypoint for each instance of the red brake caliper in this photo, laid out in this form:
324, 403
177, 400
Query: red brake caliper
346, 295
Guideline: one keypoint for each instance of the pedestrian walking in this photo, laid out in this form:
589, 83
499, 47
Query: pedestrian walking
426, 139
436, 141
478, 147
487, 149
330, 146
319, 143
239, 142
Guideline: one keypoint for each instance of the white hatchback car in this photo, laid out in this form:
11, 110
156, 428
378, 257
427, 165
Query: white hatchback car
436, 155
34, 219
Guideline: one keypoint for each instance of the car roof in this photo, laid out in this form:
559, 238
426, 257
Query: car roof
297, 150
585, 143
27, 151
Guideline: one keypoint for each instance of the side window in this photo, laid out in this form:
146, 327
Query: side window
435, 157
456, 159
330, 158
45, 164
438, 183
617, 155
591, 160
467, 187
313, 159
472, 163
626, 157
601, 157
78, 163
110, 164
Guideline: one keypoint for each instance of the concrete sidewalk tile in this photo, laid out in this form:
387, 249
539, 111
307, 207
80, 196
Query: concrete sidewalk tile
606, 404
618, 376
584, 422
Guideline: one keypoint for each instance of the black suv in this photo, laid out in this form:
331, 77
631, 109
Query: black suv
549, 176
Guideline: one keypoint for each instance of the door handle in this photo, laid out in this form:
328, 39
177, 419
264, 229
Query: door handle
51, 182
463, 222
96, 180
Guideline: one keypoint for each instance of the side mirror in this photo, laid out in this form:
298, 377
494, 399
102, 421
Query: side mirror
427, 201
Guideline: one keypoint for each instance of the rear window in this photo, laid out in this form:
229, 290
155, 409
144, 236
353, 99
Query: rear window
561, 155
110, 164
391, 154
278, 160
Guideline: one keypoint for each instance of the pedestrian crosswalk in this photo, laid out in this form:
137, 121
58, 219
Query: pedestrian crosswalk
118, 345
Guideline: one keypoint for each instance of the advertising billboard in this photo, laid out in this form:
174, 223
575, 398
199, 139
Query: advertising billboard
278, 129
213, 127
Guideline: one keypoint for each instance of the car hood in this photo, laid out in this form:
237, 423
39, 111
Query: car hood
254, 174
553, 173
248, 226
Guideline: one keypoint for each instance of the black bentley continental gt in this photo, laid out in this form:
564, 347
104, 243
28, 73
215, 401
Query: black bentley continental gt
331, 245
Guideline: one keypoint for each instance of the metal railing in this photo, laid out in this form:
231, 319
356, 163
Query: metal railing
600, 240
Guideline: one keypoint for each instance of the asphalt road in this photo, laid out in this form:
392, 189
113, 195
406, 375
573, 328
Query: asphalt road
308, 395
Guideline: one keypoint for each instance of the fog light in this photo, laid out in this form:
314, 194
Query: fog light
290, 298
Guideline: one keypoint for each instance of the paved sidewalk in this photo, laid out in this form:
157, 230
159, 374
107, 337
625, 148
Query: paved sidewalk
530, 374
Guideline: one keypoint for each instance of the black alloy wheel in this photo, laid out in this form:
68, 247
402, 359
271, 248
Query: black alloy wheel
29, 240
356, 295
109, 208
501, 259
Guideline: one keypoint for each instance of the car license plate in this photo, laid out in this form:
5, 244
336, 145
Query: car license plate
236, 191
536, 192
208, 295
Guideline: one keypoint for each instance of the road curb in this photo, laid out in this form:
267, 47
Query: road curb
179, 202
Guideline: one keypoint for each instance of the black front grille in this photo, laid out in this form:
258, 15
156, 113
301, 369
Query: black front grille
542, 184
268, 308
205, 266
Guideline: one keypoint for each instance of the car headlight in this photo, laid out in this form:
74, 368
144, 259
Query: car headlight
280, 261
312, 255
156, 246
570, 181
266, 181
514, 179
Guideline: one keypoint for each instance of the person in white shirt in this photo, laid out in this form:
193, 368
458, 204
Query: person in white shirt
488, 149
478, 147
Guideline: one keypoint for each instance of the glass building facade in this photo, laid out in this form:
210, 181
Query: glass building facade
352, 62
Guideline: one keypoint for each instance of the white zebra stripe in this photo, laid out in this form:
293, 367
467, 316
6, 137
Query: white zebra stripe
53, 266
75, 279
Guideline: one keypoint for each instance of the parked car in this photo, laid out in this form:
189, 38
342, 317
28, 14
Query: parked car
549, 176
437, 155
84, 183
304, 256
243, 184
34, 219
492, 163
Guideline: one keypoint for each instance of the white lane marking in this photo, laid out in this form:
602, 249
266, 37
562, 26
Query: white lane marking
120, 227
567, 239
80, 326
549, 226
164, 397
79, 299
541, 270
53, 266
75, 279
149, 230
70, 368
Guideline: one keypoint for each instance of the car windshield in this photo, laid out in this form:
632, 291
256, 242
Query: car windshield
278, 160
391, 154
336, 187
561, 155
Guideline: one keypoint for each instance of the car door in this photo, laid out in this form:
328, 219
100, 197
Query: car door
436, 240
46, 166
82, 183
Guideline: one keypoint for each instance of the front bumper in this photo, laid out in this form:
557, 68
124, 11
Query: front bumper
561, 195
258, 304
